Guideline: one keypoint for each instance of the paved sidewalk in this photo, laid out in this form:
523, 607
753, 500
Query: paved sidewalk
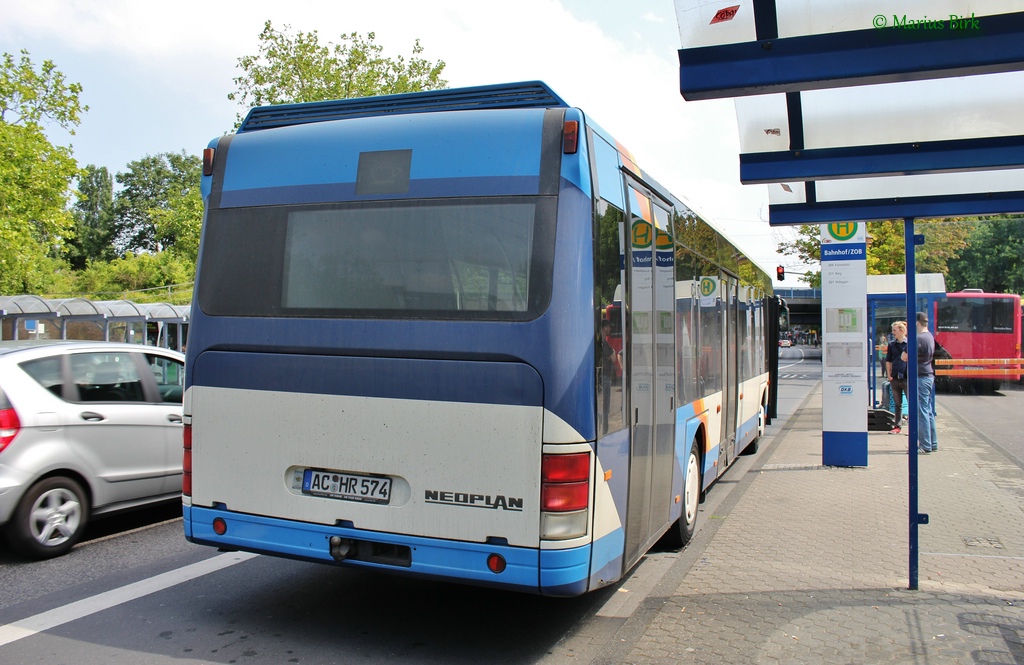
811, 563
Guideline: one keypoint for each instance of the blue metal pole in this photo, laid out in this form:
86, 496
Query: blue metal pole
909, 244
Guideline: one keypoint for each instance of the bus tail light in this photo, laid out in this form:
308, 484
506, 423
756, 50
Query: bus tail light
208, 155
186, 461
496, 563
565, 468
565, 495
563, 526
570, 137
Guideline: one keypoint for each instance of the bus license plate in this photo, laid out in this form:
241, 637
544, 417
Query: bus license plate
347, 486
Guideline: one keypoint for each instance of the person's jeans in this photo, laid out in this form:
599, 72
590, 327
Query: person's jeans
899, 389
925, 415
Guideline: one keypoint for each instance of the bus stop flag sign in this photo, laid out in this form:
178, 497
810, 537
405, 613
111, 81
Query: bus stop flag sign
845, 350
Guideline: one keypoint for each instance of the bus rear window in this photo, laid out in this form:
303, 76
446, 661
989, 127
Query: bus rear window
976, 315
461, 259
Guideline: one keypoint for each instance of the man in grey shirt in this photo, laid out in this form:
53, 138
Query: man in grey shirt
927, 442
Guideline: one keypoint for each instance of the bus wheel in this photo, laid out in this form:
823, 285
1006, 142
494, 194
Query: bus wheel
681, 533
691, 497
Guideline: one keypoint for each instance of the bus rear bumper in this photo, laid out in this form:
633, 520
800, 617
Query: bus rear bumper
547, 572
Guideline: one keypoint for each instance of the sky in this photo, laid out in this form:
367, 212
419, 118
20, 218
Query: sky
156, 76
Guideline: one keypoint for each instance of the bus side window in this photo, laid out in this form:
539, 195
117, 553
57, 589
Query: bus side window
609, 338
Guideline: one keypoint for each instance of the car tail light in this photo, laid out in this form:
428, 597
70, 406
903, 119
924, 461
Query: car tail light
565, 495
186, 461
10, 425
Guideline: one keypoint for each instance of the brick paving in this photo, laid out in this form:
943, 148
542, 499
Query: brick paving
811, 563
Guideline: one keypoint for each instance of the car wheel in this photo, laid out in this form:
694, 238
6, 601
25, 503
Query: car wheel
50, 519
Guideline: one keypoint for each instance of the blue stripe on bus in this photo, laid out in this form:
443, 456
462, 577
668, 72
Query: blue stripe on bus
606, 559
564, 572
346, 191
613, 449
431, 557
746, 432
478, 382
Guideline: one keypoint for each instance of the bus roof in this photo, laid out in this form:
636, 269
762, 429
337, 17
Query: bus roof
527, 94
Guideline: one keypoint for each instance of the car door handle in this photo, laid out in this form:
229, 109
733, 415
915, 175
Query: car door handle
93, 417
174, 418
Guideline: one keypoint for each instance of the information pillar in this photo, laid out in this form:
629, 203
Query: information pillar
845, 347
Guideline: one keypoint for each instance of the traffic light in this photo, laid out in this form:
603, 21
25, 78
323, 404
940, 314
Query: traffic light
780, 274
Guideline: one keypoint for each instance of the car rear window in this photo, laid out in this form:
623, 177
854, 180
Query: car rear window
47, 373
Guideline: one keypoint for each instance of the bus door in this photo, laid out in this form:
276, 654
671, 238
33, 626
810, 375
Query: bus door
651, 364
730, 368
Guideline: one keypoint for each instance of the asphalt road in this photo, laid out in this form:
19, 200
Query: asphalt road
136, 591
997, 418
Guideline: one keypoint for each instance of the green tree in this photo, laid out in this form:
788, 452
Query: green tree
944, 240
35, 175
153, 183
993, 259
166, 275
297, 68
94, 218
180, 222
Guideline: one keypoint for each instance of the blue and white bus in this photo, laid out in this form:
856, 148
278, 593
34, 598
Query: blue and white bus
396, 357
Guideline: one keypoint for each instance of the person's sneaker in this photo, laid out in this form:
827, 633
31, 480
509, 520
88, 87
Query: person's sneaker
895, 430
922, 450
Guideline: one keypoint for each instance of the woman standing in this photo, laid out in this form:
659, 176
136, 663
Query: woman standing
896, 369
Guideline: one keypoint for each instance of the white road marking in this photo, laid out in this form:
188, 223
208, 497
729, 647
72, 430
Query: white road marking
802, 358
83, 608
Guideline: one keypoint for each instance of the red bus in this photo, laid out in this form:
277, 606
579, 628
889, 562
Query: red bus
981, 332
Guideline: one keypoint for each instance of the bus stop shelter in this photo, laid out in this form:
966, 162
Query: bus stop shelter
33, 317
861, 111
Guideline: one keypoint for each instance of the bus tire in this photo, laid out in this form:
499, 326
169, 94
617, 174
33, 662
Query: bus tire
686, 525
49, 519
691, 496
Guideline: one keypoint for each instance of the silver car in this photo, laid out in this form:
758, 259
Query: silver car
86, 428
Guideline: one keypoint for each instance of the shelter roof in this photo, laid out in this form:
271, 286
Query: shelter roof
852, 114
